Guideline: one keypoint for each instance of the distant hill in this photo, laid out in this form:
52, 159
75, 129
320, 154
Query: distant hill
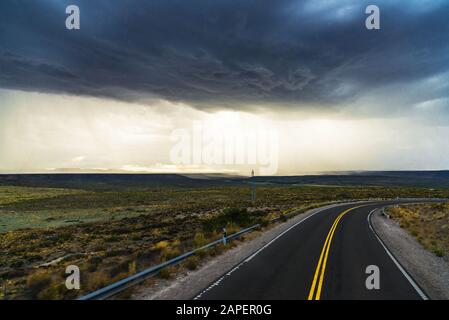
102, 181
427, 179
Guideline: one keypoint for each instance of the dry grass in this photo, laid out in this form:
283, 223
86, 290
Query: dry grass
429, 223
134, 230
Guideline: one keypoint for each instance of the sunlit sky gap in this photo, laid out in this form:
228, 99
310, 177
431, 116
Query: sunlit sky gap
108, 97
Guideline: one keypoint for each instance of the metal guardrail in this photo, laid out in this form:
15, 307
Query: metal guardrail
385, 214
416, 200
130, 281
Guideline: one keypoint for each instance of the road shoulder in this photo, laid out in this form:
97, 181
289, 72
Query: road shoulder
188, 284
428, 270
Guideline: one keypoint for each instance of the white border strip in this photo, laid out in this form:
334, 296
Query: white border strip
404, 272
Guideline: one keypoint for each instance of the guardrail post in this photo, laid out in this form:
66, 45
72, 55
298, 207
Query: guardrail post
385, 214
225, 235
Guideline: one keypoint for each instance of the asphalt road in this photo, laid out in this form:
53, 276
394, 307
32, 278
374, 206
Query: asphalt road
324, 257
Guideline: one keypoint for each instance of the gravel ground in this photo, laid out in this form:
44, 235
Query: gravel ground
188, 284
428, 270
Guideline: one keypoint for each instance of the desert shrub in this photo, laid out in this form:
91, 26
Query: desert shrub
437, 206
170, 253
91, 267
93, 263
202, 253
77, 256
404, 225
34, 257
54, 292
119, 267
136, 237
421, 240
65, 236
234, 213
199, 240
11, 273
112, 239
99, 247
192, 263
97, 280
264, 223
147, 254
438, 252
16, 263
165, 273
125, 294
132, 267
235, 216
343, 195
161, 245
232, 228
119, 277
95, 260
37, 282
217, 250
113, 253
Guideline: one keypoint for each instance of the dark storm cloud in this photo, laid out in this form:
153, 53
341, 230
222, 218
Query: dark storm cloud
222, 52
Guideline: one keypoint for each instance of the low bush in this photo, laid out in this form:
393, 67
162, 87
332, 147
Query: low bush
438, 252
165, 273
37, 282
170, 253
192, 263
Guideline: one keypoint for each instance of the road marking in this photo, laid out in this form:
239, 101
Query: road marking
321, 265
396, 262
312, 290
246, 260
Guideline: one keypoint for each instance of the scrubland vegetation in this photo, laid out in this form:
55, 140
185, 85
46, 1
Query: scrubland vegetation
429, 223
112, 234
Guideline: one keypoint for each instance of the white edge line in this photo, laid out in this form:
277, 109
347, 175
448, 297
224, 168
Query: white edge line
217, 282
404, 272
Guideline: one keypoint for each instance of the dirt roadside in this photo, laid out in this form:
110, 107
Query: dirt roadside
428, 270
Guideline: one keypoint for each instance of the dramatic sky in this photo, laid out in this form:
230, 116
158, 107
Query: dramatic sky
303, 81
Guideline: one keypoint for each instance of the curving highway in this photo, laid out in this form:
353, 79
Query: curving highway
325, 256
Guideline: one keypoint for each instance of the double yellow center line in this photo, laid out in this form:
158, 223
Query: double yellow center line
317, 284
